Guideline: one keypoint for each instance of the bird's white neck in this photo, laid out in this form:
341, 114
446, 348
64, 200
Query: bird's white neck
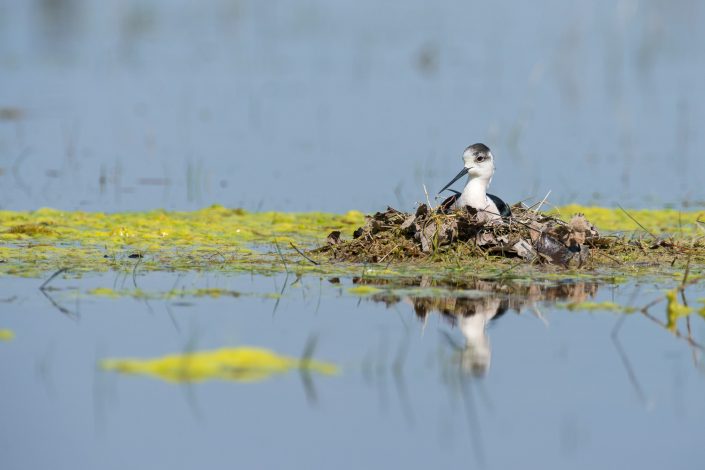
475, 193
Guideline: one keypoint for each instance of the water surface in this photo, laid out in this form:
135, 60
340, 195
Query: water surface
419, 384
317, 105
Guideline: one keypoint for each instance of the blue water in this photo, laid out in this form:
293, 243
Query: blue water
560, 391
338, 105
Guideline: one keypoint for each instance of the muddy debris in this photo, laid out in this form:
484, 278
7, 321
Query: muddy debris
393, 236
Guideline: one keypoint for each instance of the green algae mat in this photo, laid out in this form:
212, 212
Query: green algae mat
242, 364
217, 238
38, 243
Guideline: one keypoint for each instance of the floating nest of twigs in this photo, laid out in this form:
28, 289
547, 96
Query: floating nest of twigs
394, 236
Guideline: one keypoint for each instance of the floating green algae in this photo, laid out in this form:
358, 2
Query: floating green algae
215, 226
656, 221
33, 243
206, 292
40, 242
7, 335
598, 306
363, 290
675, 310
106, 292
243, 364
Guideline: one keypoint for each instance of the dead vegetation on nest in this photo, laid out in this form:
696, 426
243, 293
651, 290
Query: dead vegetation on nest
531, 235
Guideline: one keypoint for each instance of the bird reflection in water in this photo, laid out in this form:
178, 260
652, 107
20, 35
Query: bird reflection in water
472, 306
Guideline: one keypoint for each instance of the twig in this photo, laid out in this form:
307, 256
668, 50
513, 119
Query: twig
305, 370
502, 273
676, 333
56, 305
428, 200
475, 249
645, 311
526, 199
281, 294
625, 360
390, 252
134, 271
637, 222
541, 203
700, 224
51, 278
45, 291
694, 351
286, 268
608, 256
685, 275
646, 307
303, 254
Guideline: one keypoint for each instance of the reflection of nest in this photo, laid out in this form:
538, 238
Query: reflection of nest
452, 307
396, 236
500, 296
485, 301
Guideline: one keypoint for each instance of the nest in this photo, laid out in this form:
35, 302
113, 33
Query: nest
393, 235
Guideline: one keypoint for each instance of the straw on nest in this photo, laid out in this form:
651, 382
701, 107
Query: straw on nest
397, 236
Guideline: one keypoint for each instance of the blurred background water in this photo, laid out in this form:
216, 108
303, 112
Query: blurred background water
319, 105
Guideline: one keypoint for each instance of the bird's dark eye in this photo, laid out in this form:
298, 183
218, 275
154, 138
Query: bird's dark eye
480, 158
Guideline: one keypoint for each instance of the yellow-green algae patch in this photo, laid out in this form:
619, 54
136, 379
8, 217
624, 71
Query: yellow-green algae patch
675, 310
599, 306
7, 335
243, 364
213, 226
363, 290
657, 221
40, 242
209, 292
105, 292
32, 243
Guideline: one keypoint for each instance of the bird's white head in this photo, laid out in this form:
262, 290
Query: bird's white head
479, 161
479, 165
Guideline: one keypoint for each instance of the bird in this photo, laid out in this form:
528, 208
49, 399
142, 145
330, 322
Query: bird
479, 166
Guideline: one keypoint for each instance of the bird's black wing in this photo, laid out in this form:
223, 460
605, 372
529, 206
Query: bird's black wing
502, 206
448, 202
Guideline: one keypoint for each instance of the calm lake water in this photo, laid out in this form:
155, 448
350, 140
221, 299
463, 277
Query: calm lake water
315, 105
547, 387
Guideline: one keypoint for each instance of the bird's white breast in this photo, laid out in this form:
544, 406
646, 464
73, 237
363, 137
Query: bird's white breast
475, 196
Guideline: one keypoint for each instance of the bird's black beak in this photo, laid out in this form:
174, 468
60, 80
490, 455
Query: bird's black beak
462, 173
